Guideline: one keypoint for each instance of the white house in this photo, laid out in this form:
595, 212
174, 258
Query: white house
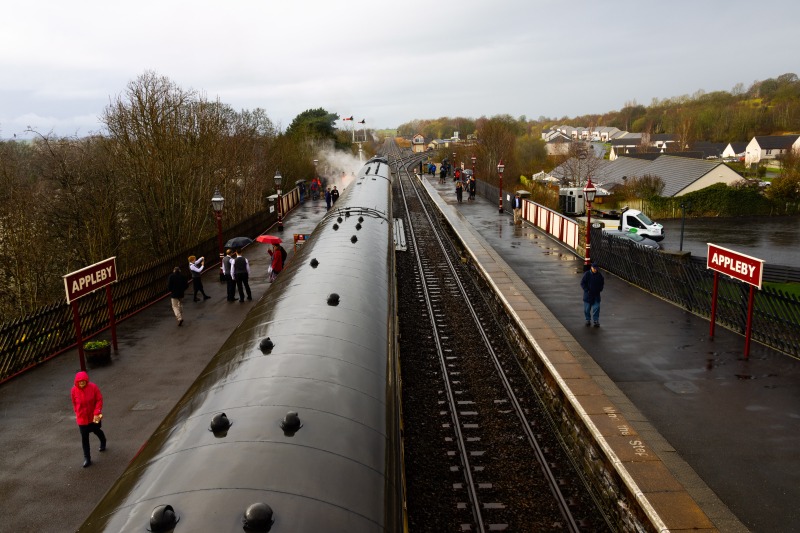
769, 147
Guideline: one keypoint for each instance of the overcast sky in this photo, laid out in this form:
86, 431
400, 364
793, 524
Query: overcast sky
386, 62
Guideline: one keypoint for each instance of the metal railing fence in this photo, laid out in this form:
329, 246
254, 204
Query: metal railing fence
32, 339
688, 283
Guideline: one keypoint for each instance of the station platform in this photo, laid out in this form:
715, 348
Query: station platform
727, 429
43, 484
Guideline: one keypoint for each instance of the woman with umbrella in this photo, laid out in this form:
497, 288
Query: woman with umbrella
277, 261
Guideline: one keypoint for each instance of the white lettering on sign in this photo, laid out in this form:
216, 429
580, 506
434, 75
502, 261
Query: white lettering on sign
739, 266
89, 279
729, 263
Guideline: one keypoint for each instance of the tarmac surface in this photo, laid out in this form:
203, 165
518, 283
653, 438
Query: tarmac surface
43, 485
734, 423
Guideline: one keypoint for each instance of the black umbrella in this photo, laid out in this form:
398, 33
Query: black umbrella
238, 242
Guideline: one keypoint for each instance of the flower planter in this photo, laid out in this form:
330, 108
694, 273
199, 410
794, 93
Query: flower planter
98, 356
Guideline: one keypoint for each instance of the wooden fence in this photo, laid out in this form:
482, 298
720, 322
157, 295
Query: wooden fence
32, 339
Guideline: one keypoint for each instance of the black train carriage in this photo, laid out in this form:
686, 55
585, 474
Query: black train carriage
335, 465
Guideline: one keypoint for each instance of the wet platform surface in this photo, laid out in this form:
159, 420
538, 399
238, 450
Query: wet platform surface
728, 429
43, 485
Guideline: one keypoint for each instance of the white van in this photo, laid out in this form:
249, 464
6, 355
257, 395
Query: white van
634, 221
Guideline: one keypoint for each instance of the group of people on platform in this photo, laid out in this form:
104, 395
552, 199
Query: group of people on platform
235, 271
331, 195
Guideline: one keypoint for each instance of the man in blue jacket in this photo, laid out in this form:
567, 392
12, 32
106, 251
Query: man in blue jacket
592, 285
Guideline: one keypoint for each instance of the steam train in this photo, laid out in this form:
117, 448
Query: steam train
294, 425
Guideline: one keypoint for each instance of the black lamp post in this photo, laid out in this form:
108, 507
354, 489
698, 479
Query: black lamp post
684, 207
454, 163
500, 168
217, 204
589, 193
278, 178
474, 159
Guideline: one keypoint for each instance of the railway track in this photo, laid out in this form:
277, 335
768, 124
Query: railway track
480, 451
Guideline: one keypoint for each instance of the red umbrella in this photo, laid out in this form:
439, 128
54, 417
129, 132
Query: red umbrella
269, 239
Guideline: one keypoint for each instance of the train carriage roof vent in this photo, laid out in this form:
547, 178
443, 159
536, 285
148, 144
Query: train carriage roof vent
333, 299
335, 227
358, 226
339, 220
361, 219
258, 518
291, 423
163, 519
314, 263
220, 425
266, 345
354, 239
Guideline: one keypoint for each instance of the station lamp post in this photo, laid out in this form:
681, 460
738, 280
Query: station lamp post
589, 192
217, 204
278, 178
500, 168
454, 163
474, 159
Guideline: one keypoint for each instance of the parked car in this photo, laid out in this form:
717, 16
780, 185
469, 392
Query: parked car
633, 237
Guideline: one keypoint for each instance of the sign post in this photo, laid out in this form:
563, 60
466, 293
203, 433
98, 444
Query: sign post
85, 281
739, 266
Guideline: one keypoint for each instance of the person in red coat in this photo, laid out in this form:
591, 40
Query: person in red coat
277, 262
87, 402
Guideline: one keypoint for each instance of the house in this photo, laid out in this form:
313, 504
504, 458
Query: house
770, 147
634, 142
709, 150
558, 144
734, 150
418, 143
680, 175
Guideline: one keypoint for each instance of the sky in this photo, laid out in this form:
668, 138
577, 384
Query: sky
388, 63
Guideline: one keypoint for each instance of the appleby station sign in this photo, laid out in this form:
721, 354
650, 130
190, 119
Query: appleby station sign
85, 281
91, 278
738, 266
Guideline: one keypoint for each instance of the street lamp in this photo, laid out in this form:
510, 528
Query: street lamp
500, 168
278, 178
684, 207
217, 203
454, 163
589, 193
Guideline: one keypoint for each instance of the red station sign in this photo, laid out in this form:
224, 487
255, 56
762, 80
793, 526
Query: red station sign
742, 267
91, 278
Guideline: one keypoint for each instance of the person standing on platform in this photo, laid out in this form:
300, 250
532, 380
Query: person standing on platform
334, 195
241, 274
277, 262
226, 271
517, 205
87, 402
328, 199
177, 285
442, 173
459, 191
196, 266
471, 186
592, 284
457, 174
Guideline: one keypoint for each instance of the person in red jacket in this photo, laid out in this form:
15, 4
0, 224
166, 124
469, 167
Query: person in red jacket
277, 261
87, 402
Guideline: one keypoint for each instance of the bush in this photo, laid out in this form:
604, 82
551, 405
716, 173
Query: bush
96, 345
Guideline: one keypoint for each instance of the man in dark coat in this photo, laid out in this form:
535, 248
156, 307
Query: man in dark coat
176, 285
592, 285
